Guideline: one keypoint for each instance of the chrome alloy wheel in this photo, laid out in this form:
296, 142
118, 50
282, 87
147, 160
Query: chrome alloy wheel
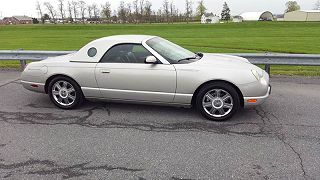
217, 103
64, 93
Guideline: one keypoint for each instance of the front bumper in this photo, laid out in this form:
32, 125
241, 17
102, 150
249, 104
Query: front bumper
33, 86
255, 101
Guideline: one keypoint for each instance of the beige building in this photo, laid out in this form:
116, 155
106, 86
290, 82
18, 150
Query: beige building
303, 15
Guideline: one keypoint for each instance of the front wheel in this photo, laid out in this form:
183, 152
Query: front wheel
218, 101
65, 93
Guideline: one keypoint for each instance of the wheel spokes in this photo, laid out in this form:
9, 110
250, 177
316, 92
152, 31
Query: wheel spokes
218, 92
221, 111
72, 97
213, 110
228, 106
226, 97
55, 92
209, 96
207, 104
71, 90
217, 103
63, 93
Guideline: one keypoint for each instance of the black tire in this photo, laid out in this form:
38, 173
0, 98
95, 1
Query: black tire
79, 97
217, 85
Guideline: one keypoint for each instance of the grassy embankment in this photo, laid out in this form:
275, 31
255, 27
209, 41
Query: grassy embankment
280, 37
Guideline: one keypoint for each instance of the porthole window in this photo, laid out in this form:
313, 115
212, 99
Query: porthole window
92, 52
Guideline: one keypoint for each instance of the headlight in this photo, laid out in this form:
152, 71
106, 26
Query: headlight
257, 74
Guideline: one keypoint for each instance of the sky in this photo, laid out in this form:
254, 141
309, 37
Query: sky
27, 7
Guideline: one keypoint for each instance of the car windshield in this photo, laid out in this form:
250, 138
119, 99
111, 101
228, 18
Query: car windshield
170, 51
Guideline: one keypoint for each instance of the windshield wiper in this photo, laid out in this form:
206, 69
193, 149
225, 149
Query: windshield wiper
199, 54
186, 59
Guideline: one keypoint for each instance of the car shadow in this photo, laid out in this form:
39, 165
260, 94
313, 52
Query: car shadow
141, 117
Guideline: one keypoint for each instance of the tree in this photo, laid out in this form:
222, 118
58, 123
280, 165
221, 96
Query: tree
74, 5
135, 5
172, 11
61, 9
201, 9
129, 16
148, 11
114, 17
51, 10
141, 11
317, 5
89, 9
70, 11
35, 21
95, 11
46, 17
225, 14
39, 9
106, 11
189, 10
122, 12
292, 6
166, 10
83, 8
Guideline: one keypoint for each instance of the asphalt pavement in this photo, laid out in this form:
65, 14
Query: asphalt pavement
278, 140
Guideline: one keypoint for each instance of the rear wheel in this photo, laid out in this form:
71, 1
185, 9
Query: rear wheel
65, 93
218, 101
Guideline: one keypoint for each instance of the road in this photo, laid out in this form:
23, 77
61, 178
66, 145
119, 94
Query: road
278, 140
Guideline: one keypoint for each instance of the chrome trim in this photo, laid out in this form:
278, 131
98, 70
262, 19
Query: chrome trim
133, 91
141, 102
186, 98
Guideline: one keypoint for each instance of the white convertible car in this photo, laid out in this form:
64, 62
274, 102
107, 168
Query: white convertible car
149, 69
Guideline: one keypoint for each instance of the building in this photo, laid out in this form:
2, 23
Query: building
303, 15
279, 17
209, 18
257, 16
18, 20
237, 19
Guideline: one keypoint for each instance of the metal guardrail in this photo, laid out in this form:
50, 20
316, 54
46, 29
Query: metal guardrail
266, 59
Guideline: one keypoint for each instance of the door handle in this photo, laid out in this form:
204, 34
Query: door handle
105, 71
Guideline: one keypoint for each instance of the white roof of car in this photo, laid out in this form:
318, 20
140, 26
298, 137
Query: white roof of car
127, 38
102, 45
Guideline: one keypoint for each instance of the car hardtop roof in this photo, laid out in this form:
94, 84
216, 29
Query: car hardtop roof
127, 38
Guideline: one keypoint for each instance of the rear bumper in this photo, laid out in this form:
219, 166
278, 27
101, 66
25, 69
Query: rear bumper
255, 101
33, 86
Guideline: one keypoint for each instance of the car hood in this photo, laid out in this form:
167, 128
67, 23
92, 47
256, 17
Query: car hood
221, 61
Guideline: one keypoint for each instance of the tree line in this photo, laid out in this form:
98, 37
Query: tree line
136, 11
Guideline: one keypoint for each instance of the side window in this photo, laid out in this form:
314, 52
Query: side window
126, 53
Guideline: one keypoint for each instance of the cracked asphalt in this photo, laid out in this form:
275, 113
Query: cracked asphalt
278, 140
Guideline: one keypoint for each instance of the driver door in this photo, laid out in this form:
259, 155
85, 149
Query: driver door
122, 74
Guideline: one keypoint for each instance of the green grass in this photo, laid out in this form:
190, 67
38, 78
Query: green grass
282, 37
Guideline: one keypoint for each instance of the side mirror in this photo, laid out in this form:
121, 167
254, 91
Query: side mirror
151, 60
